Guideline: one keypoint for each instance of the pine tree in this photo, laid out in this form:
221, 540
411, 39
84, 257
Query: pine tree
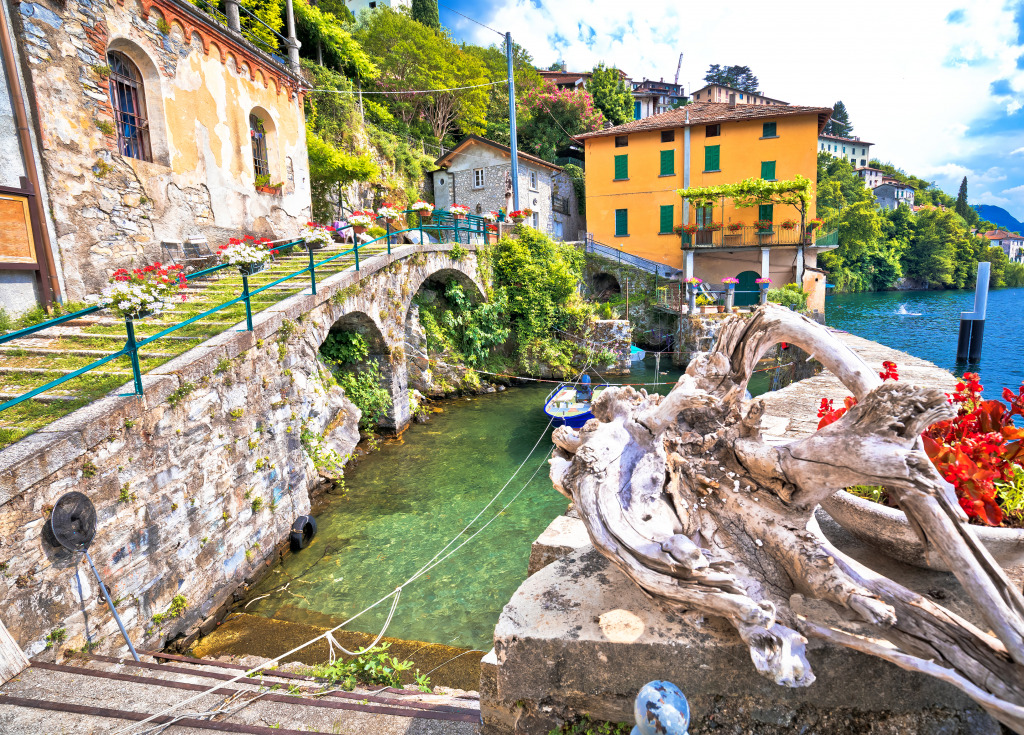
962, 207
737, 77
839, 124
425, 11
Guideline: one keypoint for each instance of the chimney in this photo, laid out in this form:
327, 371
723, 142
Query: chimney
732, 100
608, 124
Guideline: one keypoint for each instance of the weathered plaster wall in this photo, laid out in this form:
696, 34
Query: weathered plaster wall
200, 87
176, 486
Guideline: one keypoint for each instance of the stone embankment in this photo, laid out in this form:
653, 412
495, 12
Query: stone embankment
578, 638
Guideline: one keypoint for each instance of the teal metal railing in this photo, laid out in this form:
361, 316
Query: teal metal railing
445, 222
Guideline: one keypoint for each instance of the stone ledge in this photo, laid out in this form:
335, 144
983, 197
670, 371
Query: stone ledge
562, 536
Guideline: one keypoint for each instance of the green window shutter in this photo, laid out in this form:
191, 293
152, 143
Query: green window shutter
769, 130
768, 170
668, 163
711, 158
621, 222
667, 218
621, 167
764, 212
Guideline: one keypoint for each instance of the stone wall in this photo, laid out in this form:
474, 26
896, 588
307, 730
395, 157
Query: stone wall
200, 85
198, 481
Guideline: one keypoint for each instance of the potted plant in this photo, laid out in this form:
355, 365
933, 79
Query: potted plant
264, 186
713, 226
424, 211
137, 293
317, 236
976, 451
734, 227
388, 213
249, 254
690, 229
764, 226
517, 215
490, 216
789, 224
706, 304
360, 220
813, 224
459, 211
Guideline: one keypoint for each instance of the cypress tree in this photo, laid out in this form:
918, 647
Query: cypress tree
839, 124
425, 11
961, 206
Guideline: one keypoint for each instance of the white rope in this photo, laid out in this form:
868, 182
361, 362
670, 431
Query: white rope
332, 642
410, 91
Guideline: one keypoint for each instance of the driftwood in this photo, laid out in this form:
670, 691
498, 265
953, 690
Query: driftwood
681, 493
12, 660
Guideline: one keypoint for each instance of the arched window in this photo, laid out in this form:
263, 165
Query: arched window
259, 150
128, 99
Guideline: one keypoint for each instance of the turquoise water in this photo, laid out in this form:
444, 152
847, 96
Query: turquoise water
926, 324
406, 501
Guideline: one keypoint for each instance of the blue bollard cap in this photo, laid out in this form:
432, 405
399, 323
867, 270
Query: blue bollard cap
661, 709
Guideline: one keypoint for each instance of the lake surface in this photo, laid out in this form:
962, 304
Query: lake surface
406, 501
926, 324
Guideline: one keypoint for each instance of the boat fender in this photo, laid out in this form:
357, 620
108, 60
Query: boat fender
303, 531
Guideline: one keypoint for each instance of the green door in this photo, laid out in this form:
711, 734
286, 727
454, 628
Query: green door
747, 289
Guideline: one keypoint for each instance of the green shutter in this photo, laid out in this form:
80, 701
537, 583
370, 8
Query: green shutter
769, 130
621, 222
711, 162
667, 218
768, 170
621, 167
668, 163
764, 212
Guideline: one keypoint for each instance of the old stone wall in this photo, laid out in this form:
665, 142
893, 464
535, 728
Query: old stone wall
199, 87
198, 481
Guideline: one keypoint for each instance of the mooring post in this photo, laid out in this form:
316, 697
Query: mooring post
245, 298
972, 323
133, 353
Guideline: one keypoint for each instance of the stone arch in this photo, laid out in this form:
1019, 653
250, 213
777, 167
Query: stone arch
152, 88
604, 285
392, 368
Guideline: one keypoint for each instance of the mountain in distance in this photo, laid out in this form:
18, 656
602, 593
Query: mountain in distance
999, 216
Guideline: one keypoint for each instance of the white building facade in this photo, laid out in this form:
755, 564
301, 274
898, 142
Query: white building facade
854, 150
871, 177
892, 194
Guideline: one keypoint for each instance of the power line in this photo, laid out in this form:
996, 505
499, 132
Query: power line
412, 91
484, 25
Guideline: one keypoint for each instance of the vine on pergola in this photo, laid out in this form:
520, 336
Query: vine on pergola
795, 192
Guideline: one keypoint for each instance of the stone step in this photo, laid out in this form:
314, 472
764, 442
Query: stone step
47, 397
59, 371
8, 349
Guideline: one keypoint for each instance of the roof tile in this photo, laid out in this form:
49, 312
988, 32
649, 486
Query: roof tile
706, 113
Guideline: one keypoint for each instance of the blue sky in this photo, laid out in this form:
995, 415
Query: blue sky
937, 86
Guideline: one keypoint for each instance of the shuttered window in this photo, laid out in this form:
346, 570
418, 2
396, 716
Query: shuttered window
667, 218
764, 212
769, 130
621, 167
768, 170
668, 163
711, 158
621, 222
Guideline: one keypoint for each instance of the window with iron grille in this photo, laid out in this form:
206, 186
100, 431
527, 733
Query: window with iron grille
128, 99
259, 150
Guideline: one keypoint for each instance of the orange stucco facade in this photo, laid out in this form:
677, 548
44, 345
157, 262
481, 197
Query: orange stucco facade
742, 150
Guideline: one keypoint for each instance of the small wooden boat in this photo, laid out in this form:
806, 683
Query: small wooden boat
636, 354
569, 403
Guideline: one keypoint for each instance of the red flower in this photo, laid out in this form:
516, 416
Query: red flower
890, 371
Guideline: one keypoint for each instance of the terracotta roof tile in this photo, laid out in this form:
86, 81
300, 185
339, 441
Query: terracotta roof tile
446, 158
1000, 235
707, 113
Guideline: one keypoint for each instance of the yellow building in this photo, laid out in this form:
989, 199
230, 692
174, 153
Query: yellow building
633, 173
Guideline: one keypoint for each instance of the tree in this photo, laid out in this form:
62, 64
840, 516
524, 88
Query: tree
555, 116
737, 77
269, 12
496, 69
425, 11
839, 124
611, 95
331, 169
931, 256
961, 206
325, 40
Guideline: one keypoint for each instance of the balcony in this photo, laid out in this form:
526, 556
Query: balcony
745, 236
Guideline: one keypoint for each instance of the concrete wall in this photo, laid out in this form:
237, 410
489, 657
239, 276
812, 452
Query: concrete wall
174, 486
200, 87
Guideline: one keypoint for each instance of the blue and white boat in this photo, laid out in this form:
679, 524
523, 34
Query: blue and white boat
569, 403
636, 354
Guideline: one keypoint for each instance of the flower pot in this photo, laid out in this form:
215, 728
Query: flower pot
359, 229
518, 220
139, 315
888, 530
269, 189
425, 217
251, 269
721, 308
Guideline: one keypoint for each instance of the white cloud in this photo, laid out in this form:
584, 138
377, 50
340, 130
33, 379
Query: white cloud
1018, 150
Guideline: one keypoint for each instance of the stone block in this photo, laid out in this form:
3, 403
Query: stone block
194, 364
578, 637
562, 536
101, 418
36, 457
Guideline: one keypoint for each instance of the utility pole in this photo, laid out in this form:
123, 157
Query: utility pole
512, 123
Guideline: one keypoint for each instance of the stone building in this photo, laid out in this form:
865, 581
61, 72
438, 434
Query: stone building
156, 125
891, 194
477, 171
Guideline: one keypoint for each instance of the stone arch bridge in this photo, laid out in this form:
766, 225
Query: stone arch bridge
198, 481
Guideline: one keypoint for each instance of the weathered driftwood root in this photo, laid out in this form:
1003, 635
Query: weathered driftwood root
681, 493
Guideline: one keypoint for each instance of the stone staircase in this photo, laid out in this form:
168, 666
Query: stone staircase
39, 358
99, 694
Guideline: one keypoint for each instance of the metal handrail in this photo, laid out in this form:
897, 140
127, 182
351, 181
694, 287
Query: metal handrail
651, 266
132, 345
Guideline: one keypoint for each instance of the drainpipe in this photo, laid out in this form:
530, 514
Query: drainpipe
293, 42
49, 280
231, 11
686, 167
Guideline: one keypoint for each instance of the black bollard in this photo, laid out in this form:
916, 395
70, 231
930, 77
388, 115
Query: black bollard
972, 323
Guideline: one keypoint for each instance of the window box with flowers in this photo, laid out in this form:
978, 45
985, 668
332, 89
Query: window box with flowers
813, 224
713, 226
764, 226
249, 254
734, 227
424, 211
459, 211
360, 220
134, 294
690, 229
388, 213
789, 224
489, 216
317, 236
519, 215
264, 186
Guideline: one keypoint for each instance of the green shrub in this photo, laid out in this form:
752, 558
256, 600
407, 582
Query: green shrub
363, 388
376, 231
789, 295
179, 604
372, 666
345, 348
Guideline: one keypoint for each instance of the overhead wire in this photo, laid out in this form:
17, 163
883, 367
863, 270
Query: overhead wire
410, 91
474, 20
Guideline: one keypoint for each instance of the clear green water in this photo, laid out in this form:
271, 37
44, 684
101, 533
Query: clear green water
926, 324
406, 501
